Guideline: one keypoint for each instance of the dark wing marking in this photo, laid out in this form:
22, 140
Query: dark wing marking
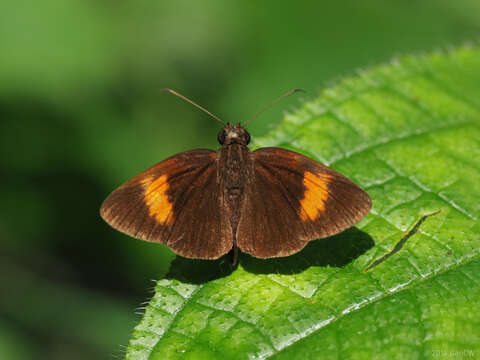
293, 200
176, 202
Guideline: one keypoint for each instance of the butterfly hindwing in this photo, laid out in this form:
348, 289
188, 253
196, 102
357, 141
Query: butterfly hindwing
292, 200
177, 203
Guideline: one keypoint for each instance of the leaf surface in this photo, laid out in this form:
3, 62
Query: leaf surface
409, 134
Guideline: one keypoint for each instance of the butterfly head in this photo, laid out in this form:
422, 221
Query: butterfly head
233, 134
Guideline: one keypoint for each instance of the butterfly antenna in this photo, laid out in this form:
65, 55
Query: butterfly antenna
273, 103
193, 103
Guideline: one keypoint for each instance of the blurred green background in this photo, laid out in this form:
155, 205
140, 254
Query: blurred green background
81, 113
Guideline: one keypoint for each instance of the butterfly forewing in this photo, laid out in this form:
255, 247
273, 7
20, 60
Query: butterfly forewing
176, 202
292, 200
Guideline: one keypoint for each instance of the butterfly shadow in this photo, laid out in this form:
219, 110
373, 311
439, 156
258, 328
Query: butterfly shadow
336, 251
195, 271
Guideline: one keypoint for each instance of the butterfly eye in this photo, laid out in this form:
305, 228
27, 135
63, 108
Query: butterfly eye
221, 137
247, 137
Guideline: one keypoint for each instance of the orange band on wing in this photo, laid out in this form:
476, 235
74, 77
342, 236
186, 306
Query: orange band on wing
316, 194
156, 199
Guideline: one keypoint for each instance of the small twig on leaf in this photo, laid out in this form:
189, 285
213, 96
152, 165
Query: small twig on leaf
402, 241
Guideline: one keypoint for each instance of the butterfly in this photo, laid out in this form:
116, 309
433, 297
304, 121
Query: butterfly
268, 203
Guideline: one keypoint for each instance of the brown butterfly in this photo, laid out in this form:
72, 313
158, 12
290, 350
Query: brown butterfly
202, 203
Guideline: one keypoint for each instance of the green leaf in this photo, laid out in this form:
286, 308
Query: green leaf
408, 133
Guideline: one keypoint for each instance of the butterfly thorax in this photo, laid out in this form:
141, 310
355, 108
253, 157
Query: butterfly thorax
235, 169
